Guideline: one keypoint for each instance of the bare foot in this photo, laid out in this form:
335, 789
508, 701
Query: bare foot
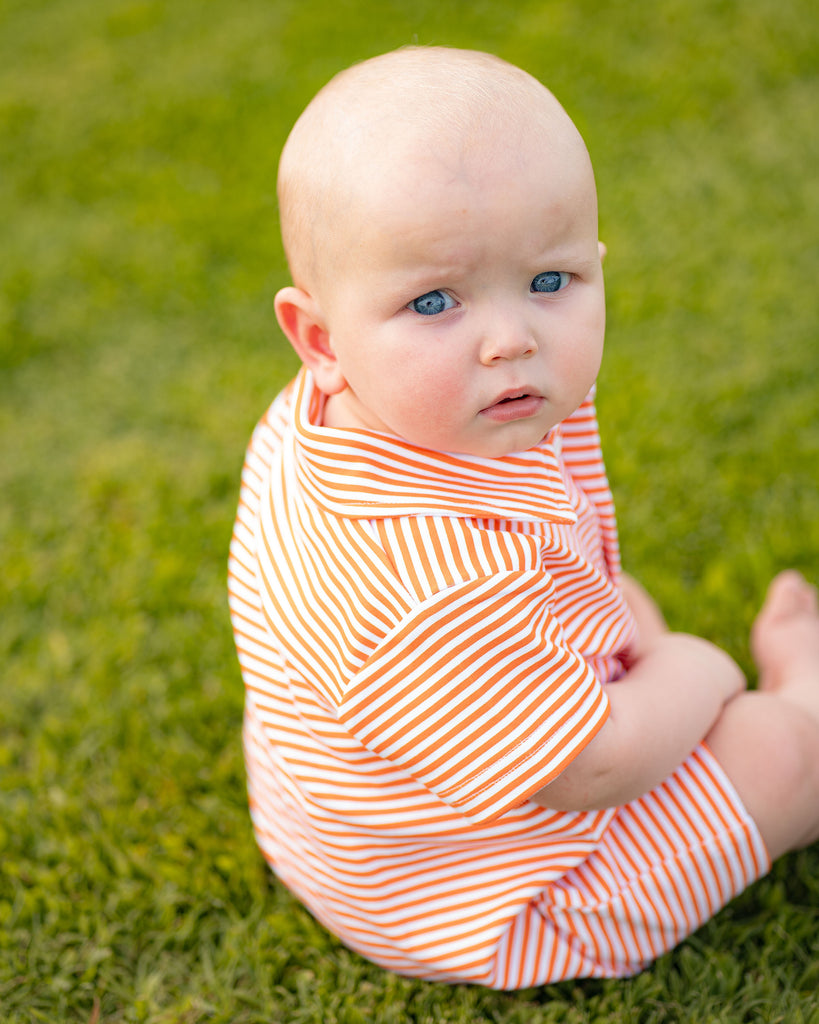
785, 640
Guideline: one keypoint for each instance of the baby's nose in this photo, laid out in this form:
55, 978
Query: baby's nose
508, 341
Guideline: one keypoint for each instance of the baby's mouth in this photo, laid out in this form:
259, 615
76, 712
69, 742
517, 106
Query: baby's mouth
514, 405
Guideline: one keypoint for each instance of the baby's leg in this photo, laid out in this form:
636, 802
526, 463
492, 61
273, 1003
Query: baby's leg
768, 741
650, 621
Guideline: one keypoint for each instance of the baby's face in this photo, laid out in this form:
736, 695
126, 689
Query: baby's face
467, 312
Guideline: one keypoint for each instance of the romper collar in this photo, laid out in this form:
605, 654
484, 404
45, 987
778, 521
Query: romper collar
364, 474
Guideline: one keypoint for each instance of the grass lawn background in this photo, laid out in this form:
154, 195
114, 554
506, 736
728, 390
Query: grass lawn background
138, 262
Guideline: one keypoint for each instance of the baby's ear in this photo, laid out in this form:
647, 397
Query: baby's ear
601, 248
302, 321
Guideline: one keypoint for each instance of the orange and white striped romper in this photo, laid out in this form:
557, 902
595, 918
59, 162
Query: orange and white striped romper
425, 640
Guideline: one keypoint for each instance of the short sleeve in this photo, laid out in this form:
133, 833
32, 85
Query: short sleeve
475, 694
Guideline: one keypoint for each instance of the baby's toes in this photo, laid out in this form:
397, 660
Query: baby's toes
789, 594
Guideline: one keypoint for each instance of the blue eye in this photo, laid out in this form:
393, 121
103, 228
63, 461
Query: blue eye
432, 303
551, 281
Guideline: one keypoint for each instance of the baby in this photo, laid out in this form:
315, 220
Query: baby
474, 750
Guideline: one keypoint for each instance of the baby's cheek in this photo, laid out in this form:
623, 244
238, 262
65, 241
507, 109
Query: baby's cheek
581, 360
431, 386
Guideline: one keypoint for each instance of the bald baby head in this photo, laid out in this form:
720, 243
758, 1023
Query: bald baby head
377, 124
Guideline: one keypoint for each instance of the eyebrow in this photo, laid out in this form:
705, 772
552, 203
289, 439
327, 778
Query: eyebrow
559, 259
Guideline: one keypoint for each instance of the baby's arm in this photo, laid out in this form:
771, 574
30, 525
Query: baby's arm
659, 711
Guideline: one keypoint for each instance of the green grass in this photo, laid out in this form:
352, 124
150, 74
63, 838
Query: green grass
139, 258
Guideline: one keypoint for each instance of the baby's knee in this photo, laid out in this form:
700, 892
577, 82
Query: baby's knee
788, 742
782, 738
770, 750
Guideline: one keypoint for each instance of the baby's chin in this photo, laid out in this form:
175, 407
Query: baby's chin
501, 449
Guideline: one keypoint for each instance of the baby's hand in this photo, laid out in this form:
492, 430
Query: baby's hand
702, 660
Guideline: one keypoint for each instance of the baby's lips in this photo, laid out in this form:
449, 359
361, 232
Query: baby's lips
514, 405
513, 394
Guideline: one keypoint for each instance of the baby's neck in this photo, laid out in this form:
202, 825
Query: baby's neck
343, 411
334, 415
